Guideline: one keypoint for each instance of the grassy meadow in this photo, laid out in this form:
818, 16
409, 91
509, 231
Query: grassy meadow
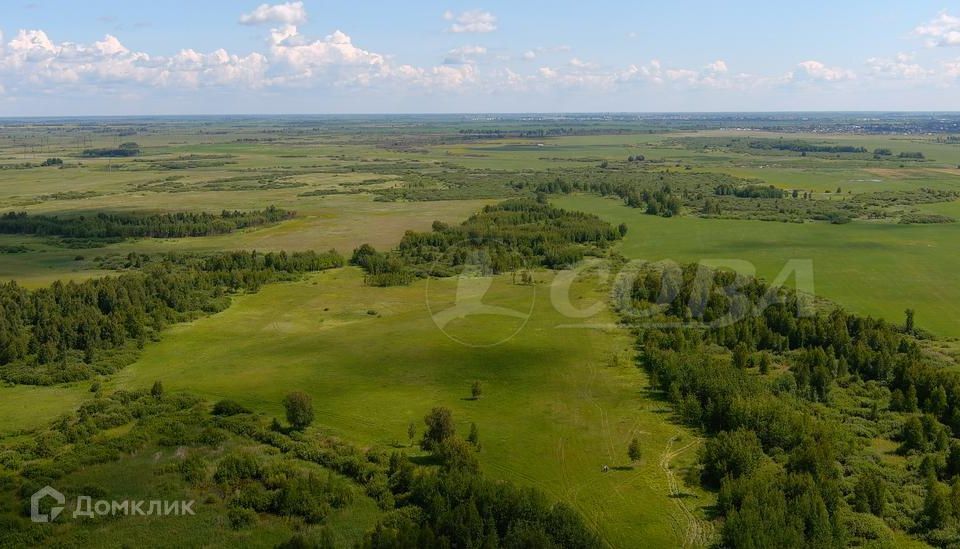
558, 403
878, 269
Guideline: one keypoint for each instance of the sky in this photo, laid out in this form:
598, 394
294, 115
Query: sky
98, 57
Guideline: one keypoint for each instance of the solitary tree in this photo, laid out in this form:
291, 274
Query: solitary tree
633, 450
157, 389
411, 431
476, 390
299, 408
909, 325
474, 437
439, 427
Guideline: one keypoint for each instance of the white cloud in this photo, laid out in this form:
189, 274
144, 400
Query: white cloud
818, 72
464, 54
471, 21
951, 69
290, 13
335, 49
943, 30
900, 67
718, 66
34, 60
536, 53
712, 75
652, 72
576, 74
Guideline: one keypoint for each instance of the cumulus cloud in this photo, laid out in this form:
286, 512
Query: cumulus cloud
290, 13
464, 54
943, 30
819, 72
31, 57
471, 21
31, 62
901, 67
718, 66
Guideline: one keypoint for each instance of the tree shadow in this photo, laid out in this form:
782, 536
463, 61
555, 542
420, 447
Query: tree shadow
424, 460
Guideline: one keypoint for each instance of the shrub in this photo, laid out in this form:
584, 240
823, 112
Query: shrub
241, 518
299, 408
237, 467
229, 408
193, 469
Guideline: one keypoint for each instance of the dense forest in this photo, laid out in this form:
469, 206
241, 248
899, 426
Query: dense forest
513, 235
795, 403
139, 225
71, 331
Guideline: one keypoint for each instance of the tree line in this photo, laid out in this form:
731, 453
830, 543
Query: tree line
140, 225
74, 330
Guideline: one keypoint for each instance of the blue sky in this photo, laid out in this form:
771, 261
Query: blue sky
214, 56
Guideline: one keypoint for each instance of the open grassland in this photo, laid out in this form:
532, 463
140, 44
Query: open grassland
340, 222
24, 407
870, 268
558, 404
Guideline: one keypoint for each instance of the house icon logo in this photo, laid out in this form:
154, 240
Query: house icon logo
40, 495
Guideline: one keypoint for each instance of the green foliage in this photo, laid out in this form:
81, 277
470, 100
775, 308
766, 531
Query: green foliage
783, 451
241, 517
731, 454
440, 427
512, 235
170, 225
237, 467
124, 150
456, 454
229, 408
73, 331
299, 407
634, 450
476, 390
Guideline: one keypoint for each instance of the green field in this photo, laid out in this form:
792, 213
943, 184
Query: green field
561, 399
557, 405
876, 269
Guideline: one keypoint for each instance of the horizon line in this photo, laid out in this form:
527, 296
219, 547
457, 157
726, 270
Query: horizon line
488, 113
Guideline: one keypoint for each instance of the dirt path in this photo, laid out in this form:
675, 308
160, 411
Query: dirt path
698, 531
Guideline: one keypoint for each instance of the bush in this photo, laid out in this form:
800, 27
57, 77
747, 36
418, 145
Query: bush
299, 408
241, 518
193, 469
229, 408
237, 467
